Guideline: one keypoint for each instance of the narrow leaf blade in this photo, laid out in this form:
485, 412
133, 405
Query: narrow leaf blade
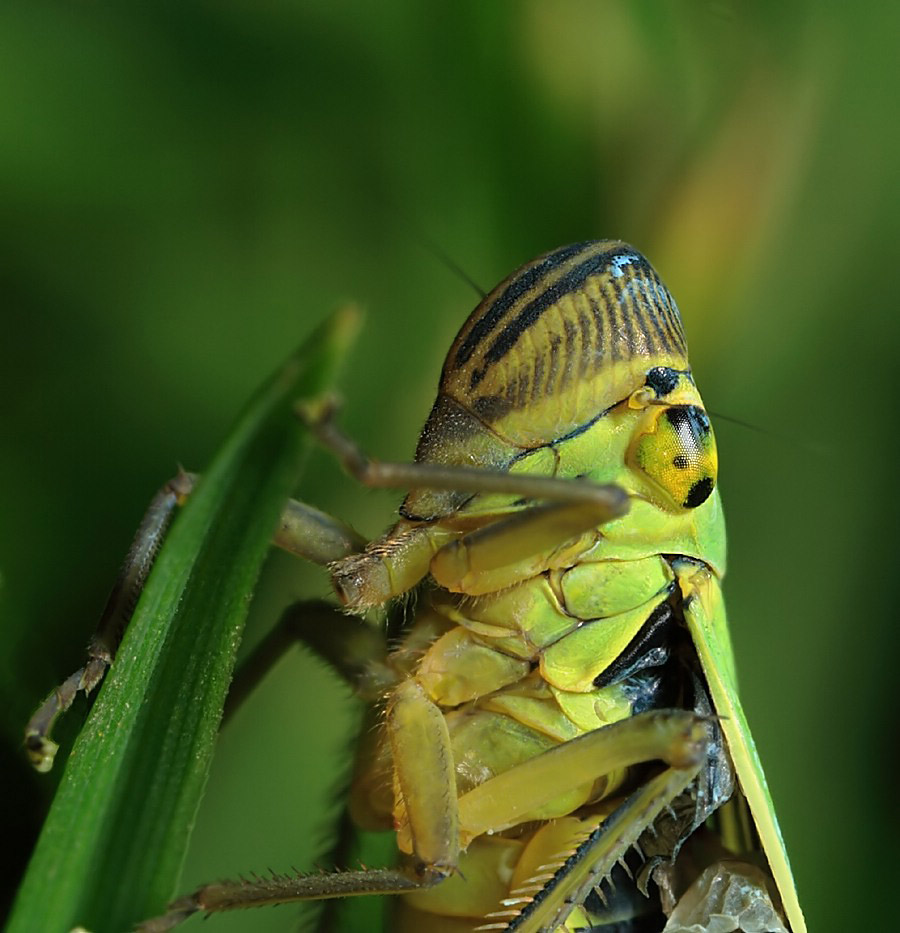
113, 844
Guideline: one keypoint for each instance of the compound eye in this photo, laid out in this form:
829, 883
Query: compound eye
679, 454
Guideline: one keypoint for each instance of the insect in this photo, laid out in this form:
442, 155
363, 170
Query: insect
559, 741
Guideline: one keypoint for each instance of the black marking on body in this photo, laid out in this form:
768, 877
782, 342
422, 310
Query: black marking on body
662, 379
666, 307
649, 310
587, 344
553, 371
649, 647
490, 408
537, 387
517, 390
699, 493
613, 308
692, 418
571, 281
569, 328
518, 287
578, 430
628, 319
634, 311
670, 315
600, 319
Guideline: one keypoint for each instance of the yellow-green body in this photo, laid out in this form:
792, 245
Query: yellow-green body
575, 368
556, 739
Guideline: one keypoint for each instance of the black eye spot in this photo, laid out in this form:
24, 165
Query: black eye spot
689, 417
680, 462
662, 380
699, 493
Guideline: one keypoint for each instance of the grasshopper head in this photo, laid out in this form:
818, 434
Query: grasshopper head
673, 445
545, 355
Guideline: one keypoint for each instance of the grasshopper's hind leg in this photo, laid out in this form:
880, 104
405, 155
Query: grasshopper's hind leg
551, 881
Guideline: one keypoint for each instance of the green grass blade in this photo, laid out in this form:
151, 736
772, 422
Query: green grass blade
112, 848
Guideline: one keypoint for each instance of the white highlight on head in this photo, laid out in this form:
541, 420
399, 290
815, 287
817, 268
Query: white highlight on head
619, 261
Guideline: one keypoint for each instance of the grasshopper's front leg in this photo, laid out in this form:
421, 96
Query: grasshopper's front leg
313, 535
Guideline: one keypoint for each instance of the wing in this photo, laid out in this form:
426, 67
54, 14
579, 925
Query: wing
704, 612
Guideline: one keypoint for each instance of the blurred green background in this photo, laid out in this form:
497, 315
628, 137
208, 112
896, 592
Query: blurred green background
186, 188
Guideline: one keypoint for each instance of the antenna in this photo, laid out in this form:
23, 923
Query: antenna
432, 247
819, 450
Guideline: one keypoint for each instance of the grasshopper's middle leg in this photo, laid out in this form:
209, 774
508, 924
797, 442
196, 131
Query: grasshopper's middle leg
440, 824
303, 530
425, 775
41, 749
